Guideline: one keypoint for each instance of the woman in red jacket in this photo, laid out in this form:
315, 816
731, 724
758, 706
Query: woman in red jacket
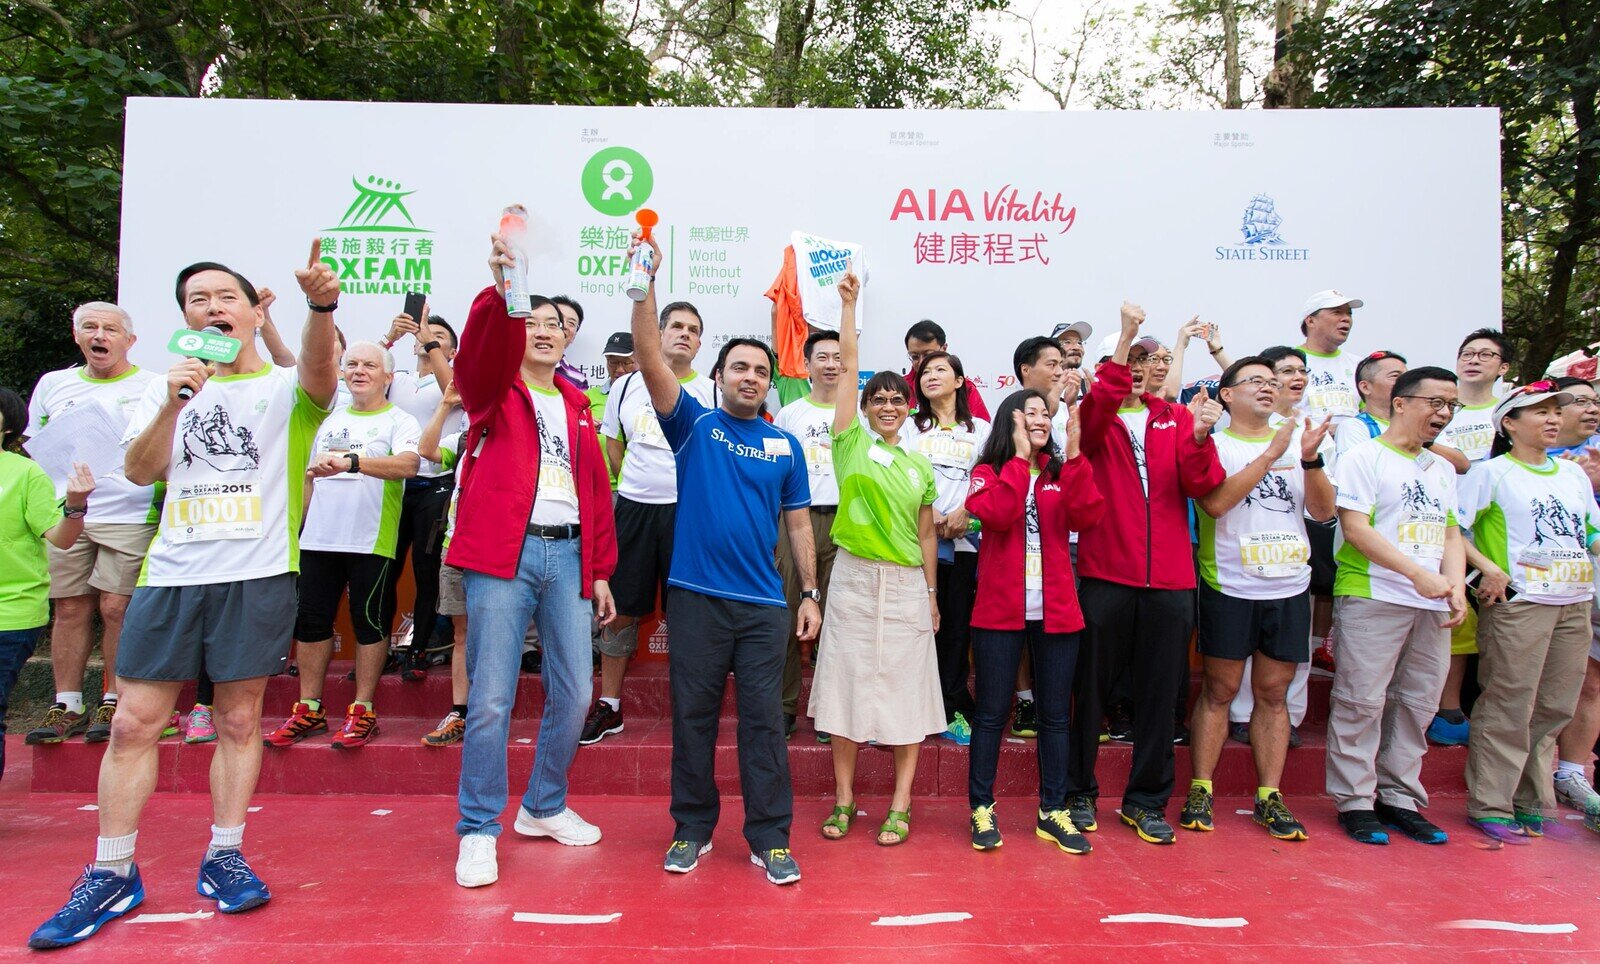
1029, 500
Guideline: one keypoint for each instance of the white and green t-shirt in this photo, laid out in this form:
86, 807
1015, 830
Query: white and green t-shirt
1410, 500
1258, 549
449, 457
556, 501
1471, 432
352, 512
650, 472
1330, 386
419, 396
115, 498
1134, 418
234, 479
1536, 523
952, 450
1350, 432
812, 424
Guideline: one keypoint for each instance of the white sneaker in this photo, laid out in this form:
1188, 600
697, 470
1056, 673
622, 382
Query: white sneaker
566, 827
476, 865
1573, 789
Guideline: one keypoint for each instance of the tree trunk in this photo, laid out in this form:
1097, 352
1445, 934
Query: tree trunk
511, 72
1288, 84
1232, 99
1582, 229
788, 48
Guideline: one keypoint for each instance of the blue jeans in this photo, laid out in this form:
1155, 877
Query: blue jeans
16, 645
547, 589
996, 653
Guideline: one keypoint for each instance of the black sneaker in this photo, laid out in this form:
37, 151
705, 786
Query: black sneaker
779, 865
99, 730
789, 725
1274, 814
1119, 723
1024, 722
1239, 732
684, 856
1363, 826
533, 661
1410, 823
1057, 827
603, 721
1196, 812
1081, 810
985, 833
1150, 825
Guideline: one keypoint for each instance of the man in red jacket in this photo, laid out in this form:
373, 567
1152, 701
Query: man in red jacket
1137, 594
535, 538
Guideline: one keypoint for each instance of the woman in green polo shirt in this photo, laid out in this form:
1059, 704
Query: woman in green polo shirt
877, 678
29, 514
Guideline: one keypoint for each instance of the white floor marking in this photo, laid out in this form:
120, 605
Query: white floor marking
1574, 816
89, 806
524, 740
522, 917
1505, 925
171, 918
253, 809
1174, 919
1013, 739
1245, 813
381, 813
916, 920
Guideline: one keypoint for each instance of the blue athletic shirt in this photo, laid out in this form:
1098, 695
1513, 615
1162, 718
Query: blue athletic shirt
734, 477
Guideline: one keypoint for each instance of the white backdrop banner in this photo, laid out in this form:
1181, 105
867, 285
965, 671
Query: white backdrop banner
997, 225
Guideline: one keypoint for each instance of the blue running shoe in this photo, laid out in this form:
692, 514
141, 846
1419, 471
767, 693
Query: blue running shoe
229, 880
1441, 732
97, 897
959, 731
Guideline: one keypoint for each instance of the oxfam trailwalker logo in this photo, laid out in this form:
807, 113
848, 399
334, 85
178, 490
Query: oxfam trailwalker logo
373, 249
617, 181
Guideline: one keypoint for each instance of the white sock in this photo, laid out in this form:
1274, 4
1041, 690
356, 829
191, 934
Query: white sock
1563, 768
109, 698
615, 704
1025, 695
115, 853
224, 838
72, 701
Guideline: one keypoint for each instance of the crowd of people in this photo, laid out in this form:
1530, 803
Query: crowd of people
1043, 571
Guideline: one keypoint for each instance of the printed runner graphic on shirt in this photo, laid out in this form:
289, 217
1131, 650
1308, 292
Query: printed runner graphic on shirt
1420, 532
216, 441
555, 465
1272, 493
1551, 519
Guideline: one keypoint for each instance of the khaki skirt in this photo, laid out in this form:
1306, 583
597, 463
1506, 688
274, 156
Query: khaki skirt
877, 673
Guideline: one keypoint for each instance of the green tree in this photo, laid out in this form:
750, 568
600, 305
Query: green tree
1538, 61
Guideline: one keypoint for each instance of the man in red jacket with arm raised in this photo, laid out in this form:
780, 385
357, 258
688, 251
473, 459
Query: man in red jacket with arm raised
535, 538
1137, 594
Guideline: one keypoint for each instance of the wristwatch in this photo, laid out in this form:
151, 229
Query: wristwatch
1315, 463
815, 595
71, 512
430, 345
355, 464
321, 309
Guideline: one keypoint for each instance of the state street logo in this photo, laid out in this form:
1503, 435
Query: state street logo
377, 247
617, 181
1262, 240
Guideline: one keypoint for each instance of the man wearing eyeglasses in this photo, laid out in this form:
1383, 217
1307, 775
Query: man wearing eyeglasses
1400, 588
1325, 320
923, 339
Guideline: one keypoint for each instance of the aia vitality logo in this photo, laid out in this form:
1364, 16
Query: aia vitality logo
1260, 236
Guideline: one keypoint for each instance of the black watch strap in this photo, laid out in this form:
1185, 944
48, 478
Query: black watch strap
1315, 463
321, 309
430, 345
355, 463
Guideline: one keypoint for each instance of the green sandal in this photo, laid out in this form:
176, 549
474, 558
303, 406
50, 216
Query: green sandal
898, 826
840, 821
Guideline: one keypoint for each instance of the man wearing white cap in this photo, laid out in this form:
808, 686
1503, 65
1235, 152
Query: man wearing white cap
1073, 338
1331, 373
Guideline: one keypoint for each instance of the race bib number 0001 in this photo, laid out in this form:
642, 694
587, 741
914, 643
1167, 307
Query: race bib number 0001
1420, 535
213, 510
1274, 555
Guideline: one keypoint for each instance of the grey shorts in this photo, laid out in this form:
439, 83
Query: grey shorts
452, 600
236, 630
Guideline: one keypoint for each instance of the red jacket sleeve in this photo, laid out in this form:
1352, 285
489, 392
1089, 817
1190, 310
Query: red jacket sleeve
975, 403
1087, 505
490, 354
1112, 383
1199, 469
998, 500
598, 483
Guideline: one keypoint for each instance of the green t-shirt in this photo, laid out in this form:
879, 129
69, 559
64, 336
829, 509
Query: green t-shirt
882, 489
790, 389
28, 509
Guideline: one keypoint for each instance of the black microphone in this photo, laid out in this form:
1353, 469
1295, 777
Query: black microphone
185, 393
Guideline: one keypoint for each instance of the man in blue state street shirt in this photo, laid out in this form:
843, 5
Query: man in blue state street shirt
725, 610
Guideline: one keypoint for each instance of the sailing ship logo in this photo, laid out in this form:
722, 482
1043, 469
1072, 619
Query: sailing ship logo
1261, 222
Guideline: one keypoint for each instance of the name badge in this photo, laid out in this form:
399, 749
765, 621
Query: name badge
879, 455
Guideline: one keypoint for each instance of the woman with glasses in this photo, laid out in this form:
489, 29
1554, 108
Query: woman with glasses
945, 432
1534, 526
877, 678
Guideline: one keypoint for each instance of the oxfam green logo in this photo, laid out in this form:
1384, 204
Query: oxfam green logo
617, 181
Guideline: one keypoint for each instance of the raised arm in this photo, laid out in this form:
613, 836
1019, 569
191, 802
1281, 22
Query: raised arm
489, 356
276, 349
319, 373
844, 404
653, 368
428, 443
80, 485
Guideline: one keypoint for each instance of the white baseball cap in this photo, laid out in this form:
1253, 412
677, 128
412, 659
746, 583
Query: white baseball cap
1081, 327
1108, 345
1332, 298
1528, 395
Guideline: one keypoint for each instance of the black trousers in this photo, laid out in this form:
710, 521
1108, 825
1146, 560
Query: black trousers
1141, 632
422, 521
957, 584
1055, 659
708, 638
